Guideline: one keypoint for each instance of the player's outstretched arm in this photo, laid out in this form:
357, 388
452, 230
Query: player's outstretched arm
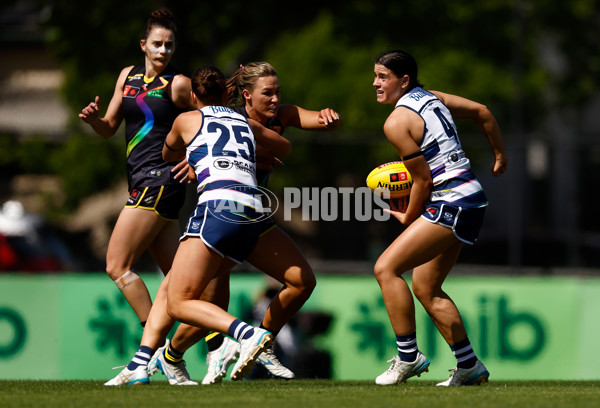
486, 122
270, 139
325, 119
108, 125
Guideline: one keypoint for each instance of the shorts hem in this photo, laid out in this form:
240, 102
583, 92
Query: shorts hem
450, 228
151, 209
453, 227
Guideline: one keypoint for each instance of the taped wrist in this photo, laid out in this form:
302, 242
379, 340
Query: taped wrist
126, 279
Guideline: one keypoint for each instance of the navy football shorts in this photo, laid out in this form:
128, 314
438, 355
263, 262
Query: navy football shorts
465, 223
166, 201
231, 234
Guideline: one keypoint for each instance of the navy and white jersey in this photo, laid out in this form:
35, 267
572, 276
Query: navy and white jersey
262, 176
453, 180
223, 156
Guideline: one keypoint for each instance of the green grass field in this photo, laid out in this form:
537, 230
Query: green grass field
300, 393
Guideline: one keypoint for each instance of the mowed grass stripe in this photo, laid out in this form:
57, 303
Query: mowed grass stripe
301, 394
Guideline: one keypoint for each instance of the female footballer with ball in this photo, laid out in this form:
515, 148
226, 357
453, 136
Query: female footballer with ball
445, 210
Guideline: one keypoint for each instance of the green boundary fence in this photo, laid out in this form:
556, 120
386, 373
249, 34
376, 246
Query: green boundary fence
526, 328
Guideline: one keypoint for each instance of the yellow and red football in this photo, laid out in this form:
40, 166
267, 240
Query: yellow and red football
391, 176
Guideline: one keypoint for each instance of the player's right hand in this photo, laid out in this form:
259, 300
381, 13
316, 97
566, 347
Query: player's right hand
266, 160
91, 112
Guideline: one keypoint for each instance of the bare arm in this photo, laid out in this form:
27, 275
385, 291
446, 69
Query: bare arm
325, 119
181, 89
481, 115
270, 139
402, 128
183, 130
108, 125
266, 160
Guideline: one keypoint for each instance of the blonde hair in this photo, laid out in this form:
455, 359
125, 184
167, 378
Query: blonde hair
245, 78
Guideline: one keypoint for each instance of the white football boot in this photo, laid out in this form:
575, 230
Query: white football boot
400, 371
219, 360
269, 360
177, 374
476, 375
138, 376
250, 349
153, 364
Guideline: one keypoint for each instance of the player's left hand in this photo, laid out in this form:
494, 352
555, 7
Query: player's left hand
398, 208
182, 171
499, 165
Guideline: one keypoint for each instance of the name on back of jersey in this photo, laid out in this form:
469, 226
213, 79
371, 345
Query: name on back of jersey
417, 95
221, 109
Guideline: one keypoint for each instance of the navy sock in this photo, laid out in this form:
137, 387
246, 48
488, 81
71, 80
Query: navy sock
240, 330
465, 356
172, 356
407, 347
141, 358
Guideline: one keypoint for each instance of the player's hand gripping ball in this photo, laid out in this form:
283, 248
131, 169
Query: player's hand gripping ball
391, 176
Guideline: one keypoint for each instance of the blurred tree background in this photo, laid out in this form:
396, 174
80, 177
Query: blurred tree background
534, 63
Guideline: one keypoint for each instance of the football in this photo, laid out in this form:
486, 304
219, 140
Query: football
391, 176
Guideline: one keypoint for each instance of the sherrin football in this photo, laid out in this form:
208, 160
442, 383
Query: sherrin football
391, 176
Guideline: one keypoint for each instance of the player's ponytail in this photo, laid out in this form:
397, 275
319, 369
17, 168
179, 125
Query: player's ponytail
233, 90
245, 78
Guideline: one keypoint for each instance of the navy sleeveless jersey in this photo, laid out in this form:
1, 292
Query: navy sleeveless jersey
149, 113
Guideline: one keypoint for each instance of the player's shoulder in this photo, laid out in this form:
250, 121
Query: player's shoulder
415, 98
123, 75
188, 120
286, 111
131, 70
401, 114
180, 89
189, 115
403, 121
182, 80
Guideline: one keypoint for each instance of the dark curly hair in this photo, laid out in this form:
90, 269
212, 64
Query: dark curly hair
210, 86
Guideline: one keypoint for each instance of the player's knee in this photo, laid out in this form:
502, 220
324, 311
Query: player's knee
381, 271
420, 293
305, 283
174, 308
425, 294
309, 286
116, 268
309, 280
113, 272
